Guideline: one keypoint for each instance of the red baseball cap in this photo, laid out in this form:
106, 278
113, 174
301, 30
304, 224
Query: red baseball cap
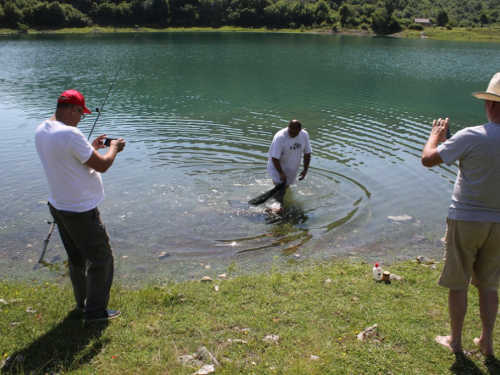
73, 97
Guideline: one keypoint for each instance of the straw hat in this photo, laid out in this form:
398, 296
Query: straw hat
493, 91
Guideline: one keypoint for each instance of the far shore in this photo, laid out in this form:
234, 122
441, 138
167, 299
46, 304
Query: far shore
478, 34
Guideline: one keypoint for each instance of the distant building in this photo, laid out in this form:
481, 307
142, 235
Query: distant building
423, 21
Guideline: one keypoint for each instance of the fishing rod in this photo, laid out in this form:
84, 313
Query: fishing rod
53, 224
3, 45
112, 84
18, 34
45, 244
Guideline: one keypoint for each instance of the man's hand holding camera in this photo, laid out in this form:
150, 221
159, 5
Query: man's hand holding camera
103, 141
118, 143
99, 142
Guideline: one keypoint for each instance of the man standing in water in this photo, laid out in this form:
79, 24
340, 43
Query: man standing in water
285, 154
472, 246
72, 165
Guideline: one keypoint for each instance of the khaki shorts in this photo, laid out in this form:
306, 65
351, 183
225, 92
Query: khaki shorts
472, 255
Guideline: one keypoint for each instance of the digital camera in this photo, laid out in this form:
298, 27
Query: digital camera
107, 141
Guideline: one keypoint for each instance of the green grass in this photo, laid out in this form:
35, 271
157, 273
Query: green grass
315, 309
110, 29
478, 34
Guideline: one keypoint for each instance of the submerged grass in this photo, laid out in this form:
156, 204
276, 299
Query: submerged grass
317, 310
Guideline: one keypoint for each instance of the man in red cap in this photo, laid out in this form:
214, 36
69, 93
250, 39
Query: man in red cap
73, 166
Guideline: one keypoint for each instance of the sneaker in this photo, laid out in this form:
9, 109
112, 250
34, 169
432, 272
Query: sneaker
106, 315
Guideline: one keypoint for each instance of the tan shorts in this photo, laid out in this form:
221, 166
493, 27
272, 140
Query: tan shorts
472, 255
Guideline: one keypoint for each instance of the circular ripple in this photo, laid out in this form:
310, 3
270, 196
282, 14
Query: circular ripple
192, 210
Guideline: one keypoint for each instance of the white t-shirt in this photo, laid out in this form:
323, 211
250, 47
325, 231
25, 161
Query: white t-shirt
63, 151
289, 152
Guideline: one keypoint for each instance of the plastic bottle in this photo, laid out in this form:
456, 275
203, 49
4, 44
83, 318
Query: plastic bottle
377, 272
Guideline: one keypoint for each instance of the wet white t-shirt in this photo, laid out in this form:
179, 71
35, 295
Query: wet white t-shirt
289, 152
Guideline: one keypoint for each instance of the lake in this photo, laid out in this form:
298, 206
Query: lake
198, 112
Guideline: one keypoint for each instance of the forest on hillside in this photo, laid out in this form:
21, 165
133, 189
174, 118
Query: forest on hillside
381, 16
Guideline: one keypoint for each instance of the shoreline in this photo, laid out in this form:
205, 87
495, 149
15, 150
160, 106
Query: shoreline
482, 35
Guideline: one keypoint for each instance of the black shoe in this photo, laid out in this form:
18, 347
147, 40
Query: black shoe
106, 315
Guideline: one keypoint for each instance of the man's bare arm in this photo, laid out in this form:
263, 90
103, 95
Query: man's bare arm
307, 161
277, 165
101, 163
430, 155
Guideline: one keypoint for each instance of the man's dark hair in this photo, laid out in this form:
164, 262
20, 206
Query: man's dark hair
64, 105
295, 124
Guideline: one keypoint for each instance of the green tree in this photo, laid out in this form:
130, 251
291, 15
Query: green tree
158, 11
382, 14
123, 12
383, 20
83, 6
211, 13
300, 14
75, 18
184, 12
56, 13
308, 14
45, 14
484, 19
12, 14
296, 10
442, 18
2, 16
322, 13
277, 14
344, 14
389, 7
379, 21
106, 12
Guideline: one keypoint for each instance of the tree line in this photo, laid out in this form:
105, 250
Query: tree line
382, 16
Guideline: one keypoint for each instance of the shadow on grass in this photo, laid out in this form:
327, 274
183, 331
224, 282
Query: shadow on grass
493, 365
67, 346
464, 366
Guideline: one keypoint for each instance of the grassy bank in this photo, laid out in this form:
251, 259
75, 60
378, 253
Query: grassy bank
109, 29
478, 34
486, 34
314, 311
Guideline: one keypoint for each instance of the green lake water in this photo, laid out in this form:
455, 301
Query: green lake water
198, 112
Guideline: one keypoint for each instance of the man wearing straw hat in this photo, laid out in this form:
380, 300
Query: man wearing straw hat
472, 246
72, 165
